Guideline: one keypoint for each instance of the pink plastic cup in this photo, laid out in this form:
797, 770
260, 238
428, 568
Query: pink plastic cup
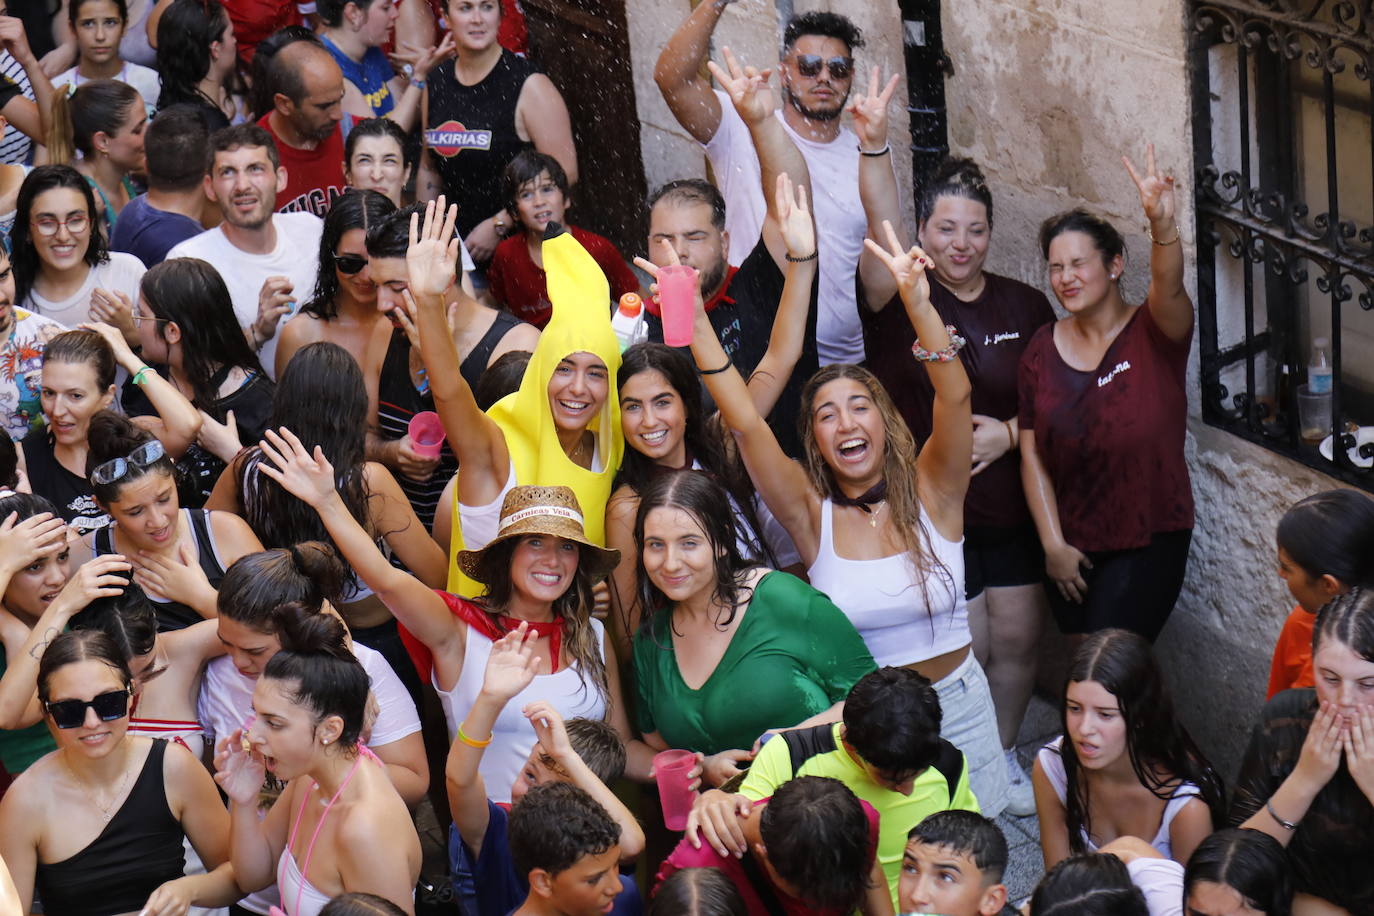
426, 434
671, 769
677, 296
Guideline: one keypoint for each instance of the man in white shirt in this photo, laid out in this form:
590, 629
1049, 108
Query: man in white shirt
268, 260
817, 69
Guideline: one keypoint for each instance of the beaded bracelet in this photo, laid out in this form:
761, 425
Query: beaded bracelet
1150, 233
472, 742
956, 343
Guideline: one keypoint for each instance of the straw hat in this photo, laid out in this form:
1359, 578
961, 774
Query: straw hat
550, 511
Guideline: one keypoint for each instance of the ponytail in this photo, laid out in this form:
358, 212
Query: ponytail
258, 585
59, 141
78, 114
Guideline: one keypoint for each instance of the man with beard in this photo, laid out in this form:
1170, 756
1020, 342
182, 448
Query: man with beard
816, 69
268, 260
307, 97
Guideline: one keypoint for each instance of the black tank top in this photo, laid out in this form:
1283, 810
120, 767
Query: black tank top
70, 493
138, 851
471, 135
398, 401
173, 615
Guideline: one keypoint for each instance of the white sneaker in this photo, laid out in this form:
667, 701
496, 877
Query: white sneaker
1020, 794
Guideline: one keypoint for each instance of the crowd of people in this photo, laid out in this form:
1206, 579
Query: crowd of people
273, 646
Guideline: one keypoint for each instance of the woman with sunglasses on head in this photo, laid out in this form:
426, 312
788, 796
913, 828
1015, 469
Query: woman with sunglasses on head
96, 827
343, 308
188, 333
78, 383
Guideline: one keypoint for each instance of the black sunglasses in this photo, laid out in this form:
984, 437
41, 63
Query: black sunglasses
810, 65
349, 264
107, 706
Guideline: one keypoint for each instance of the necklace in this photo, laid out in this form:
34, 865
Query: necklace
105, 812
873, 515
578, 452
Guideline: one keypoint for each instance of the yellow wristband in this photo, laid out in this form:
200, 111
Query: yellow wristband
471, 742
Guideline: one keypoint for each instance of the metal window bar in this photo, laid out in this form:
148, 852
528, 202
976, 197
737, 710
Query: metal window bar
1251, 215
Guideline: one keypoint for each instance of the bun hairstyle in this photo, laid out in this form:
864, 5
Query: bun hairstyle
1331, 534
954, 177
263, 589
79, 646
128, 619
112, 436
329, 679
1105, 238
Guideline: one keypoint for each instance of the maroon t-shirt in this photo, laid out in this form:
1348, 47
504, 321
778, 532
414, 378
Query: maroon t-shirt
314, 177
1112, 438
522, 287
998, 327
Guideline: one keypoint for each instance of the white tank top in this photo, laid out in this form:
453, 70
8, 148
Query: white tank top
884, 601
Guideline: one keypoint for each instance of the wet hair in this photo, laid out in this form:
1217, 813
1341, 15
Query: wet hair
359, 904
899, 472
702, 436
1105, 238
555, 826
25, 506
321, 398
129, 619
501, 378
97, 106
390, 238
376, 127
1331, 534
229, 139
9, 463
966, 833
527, 167
892, 719
185, 33
354, 209
688, 192
265, 591
707, 503
78, 646
599, 746
1251, 863
817, 838
74, 11
1349, 619
260, 96
954, 177
828, 25
329, 679
24, 257
175, 147
112, 436
1124, 665
191, 293
83, 346
697, 892
286, 72
1095, 884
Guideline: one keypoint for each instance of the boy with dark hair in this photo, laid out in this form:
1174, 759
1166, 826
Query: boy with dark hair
953, 865
568, 848
809, 850
585, 754
887, 750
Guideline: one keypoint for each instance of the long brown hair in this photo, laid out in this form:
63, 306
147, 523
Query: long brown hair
899, 471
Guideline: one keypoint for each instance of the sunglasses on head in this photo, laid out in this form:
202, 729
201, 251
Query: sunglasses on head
107, 706
349, 264
146, 454
810, 65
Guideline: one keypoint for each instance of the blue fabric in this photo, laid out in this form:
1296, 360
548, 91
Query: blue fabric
372, 76
148, 233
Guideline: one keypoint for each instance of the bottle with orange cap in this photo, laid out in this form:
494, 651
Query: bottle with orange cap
628, 321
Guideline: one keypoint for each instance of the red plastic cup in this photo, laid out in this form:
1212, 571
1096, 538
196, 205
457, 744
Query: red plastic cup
670, 770
677, 297
426, 434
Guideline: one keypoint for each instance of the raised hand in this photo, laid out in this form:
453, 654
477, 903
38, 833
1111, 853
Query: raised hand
422, 60
308, 477
869, 110
123, 354
747, 87
549, 730
1156, 191
432, 257
238, 770
794, 218
512, 664
275, 299
908, 267
102, 577
219, 439
113, 307
669, 255
24, 543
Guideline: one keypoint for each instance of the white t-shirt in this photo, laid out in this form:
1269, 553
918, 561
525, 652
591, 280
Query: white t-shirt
121, 273
840, 221
144, 79
297, 257
1161, 881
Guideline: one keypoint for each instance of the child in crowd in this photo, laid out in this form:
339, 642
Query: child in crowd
953, 865
567, 848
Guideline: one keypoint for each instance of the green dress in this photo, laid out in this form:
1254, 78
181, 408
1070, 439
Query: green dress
19, 748
793, 655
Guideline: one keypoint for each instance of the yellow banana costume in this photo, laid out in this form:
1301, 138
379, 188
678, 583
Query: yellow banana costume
581, 323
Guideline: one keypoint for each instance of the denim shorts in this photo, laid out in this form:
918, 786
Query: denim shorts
969, 722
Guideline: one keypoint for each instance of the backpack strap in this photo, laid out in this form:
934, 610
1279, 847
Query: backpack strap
805, 743
950, 764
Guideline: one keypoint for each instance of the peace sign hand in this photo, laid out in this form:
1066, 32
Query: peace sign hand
908, 267
869, 110
1156, 191
747, 87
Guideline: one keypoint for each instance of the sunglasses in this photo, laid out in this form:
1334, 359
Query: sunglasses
810, 65
107, 706
349, 264
115, 469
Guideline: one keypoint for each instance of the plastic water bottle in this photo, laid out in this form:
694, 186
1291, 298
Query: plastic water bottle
628, 321
1319, 367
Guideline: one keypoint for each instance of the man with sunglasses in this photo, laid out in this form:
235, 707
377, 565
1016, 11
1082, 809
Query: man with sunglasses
816, 71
